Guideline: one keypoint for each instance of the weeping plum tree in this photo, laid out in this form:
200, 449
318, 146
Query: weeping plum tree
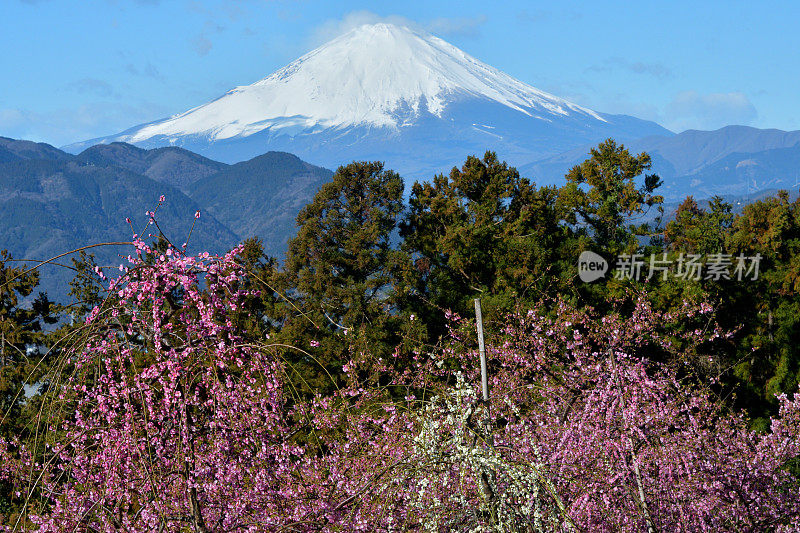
171, 422
165, 409
166, 419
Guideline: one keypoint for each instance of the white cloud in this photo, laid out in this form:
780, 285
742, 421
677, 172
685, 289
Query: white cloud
693, 110
330, 29
448, 27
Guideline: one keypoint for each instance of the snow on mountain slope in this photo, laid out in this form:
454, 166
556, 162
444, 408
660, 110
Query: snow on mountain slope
385, 92
365, 77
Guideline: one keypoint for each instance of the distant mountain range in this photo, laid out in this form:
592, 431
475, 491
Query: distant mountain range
52, 202
390, 93
732, 161
259, 197
15, 150
262, 196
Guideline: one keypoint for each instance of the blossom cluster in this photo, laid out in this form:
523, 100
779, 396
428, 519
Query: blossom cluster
170, 421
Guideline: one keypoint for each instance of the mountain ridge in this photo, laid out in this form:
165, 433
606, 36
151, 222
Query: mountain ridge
51, 206
698, 162
52, 202
250, 207
171, 165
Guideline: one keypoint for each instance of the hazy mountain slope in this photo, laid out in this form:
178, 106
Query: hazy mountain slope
174, 166
15, 150
692, 150
698, 162
50, 207
7, 155
262, 196
745, 174
391, 93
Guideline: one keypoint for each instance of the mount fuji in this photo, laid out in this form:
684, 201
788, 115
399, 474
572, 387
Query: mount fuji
391, 93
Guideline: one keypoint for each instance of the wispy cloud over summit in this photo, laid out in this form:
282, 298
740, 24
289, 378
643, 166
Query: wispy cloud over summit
442, 26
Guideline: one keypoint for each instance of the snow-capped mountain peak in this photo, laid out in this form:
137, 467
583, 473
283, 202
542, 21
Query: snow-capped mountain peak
390, 93
380, 75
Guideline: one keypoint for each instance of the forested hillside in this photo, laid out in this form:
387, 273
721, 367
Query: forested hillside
52, 202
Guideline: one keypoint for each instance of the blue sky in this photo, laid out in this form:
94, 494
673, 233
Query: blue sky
73, 70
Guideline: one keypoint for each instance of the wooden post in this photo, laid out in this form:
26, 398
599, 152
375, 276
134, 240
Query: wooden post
482, 351
487, 477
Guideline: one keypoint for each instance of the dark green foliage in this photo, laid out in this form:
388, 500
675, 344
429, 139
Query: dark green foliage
697, 230
339, 269
264, 311
602, 193
85, 287
483, 231
769, 308
22, 322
